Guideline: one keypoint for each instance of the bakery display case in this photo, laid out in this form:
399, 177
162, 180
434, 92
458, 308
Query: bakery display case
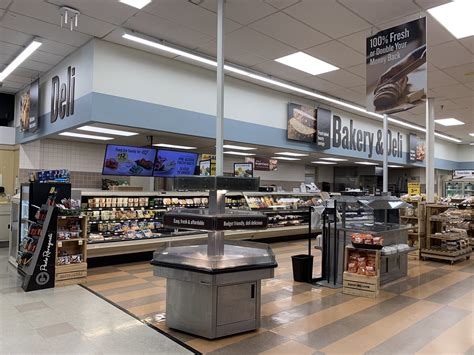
459, 190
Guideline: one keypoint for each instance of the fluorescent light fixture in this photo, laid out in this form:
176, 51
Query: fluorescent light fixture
456, 17
333, 159
85, 136
323, 162
449, 122
291, 154
279, 84
365, 163
237, 147
164, 145
138, 4
306, 63
115, 132
19, 59
471, 143
471, 134
285, 158
230, 152
395, 166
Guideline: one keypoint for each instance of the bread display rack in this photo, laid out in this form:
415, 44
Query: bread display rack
416, 218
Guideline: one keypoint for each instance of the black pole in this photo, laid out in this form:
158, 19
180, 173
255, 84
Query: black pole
309, 232
336, 245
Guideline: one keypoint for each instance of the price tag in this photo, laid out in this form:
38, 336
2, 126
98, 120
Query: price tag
414, 188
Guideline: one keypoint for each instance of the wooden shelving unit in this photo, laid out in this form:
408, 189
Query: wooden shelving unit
71, 251
434, 240
361, 285
415, 216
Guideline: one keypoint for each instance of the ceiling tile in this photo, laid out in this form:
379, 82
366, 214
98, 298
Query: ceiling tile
438, 78
376, 11
193, 16
359, 70
343, 78
442, 106
253, 41
286, 29
362, 89
470, 85
168, 30
27, 73
19, 79
336, 54
281, 4
468, 42
279, 70
328, 17
242, 11
357, 41
233, 54
13, 84
38, 66
4, 3
47, 12
43, 29
14, 37
467, 102
462, 73
9, 48
116, 12
44, 57
348, 95
436, 33
452, 91
449, 54
57, 48
428, 4
316, 83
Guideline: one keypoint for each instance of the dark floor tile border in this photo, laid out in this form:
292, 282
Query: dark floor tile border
169, 336
453, 292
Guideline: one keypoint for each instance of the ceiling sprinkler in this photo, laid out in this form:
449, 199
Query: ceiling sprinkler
69, 17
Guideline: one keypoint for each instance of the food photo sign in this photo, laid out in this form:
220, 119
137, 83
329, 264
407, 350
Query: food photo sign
243, 170
128, 161
170, 163
396, 68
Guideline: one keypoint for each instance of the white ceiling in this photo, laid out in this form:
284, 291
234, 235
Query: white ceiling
257, 32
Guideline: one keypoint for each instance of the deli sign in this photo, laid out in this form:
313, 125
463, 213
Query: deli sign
62, 95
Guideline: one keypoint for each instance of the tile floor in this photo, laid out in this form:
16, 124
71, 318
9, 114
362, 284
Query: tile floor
70, 320
429, 312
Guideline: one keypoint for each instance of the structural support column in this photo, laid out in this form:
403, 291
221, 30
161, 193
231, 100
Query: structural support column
385, 153
430, 140
220, 89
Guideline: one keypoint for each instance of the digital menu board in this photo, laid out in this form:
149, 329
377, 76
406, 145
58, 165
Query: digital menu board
169, 163
128, 161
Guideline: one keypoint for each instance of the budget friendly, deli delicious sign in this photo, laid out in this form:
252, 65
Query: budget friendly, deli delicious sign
62, 95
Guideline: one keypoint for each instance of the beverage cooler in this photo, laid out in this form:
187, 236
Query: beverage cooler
32, 196
459, 189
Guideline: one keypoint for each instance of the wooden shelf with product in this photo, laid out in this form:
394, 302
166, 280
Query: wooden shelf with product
71, 250
416, 217
447, 231
361, 275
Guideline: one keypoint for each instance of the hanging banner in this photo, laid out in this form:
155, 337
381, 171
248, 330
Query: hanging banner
301, 123
417, 150
323, 132
396, 68
29, 108
263, 164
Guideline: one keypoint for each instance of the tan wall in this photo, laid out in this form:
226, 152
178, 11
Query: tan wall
9, 166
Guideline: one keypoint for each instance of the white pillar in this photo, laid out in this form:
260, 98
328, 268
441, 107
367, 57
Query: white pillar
430, 137
385, 152
220, 89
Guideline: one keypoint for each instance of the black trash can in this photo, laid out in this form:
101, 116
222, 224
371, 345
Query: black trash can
302, 267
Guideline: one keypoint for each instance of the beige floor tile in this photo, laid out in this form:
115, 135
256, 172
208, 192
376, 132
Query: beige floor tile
144, 274
465, 302
376, 333
32, 306
112, 285
456, 340
107, 275
136, 266
437, 285
155, 307
51, 331
290, 347
137, 294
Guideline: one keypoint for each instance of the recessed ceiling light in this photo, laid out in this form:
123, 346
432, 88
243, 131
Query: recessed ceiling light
86, 136
366, 163
107, 131
139, 4
456, 17
238, 147
333, 159
471, 143
230, 152
291, 154
306, 63
323, 162
285, 158
449, 122
395, 166
19, 59
471, 134
164, 145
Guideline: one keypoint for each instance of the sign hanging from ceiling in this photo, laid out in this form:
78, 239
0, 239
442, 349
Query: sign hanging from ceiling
417, 149
396, 68
263, 164
29, 108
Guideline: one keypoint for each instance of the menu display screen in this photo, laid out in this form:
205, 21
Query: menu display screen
128, 161
169, 163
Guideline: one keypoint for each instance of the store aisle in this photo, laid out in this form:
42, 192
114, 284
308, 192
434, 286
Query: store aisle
69, 320
418, 314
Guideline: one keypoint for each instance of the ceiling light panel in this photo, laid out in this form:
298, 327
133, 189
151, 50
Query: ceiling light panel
395, 166
138, 4
365, 163
333, 159
285, 158
456, 17
237, 147
306, 63
115, 132
239, 153
449, 122
164, 145
85, 136
471, 134
323, 162
33, 46
291, 154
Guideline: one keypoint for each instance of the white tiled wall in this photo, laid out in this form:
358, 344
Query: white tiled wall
59, 154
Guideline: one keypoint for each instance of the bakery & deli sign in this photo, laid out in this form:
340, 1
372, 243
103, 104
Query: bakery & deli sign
62, 95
